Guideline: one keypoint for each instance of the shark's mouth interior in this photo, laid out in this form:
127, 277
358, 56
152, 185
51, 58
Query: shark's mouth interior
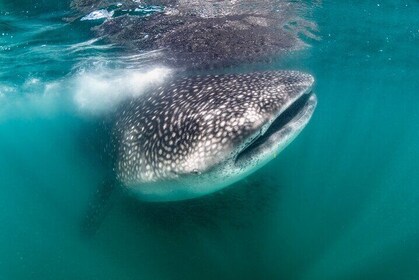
293, 112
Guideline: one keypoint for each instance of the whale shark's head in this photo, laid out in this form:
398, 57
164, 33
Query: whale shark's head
200, 134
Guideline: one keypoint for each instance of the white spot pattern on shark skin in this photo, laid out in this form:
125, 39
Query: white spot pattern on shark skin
208, 129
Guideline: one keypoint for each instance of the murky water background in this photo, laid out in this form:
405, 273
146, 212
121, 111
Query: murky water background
341, 202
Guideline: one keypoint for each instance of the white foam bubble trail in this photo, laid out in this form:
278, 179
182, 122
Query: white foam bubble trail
93, 89
101, 91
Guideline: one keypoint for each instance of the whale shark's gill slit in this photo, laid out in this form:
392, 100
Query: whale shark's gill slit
283, 119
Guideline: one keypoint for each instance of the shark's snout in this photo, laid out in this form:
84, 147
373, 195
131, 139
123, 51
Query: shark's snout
280, 132
282, 125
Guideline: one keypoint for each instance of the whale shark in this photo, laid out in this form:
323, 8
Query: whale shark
197, 135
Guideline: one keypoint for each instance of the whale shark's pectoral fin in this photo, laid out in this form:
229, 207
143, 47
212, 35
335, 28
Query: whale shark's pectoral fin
101, 202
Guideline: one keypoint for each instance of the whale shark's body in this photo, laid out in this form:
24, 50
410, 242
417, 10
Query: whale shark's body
199, 134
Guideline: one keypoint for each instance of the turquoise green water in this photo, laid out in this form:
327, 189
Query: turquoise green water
341, 202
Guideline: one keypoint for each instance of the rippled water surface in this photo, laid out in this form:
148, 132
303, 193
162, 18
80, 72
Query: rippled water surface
341, 202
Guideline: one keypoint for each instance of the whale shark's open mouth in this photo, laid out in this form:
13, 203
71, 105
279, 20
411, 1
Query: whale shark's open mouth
282, 130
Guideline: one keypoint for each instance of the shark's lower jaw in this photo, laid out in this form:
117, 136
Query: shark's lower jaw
280, 133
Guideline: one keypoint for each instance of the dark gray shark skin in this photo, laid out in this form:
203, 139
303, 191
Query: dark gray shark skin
205, 35
200, 134
202, 43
